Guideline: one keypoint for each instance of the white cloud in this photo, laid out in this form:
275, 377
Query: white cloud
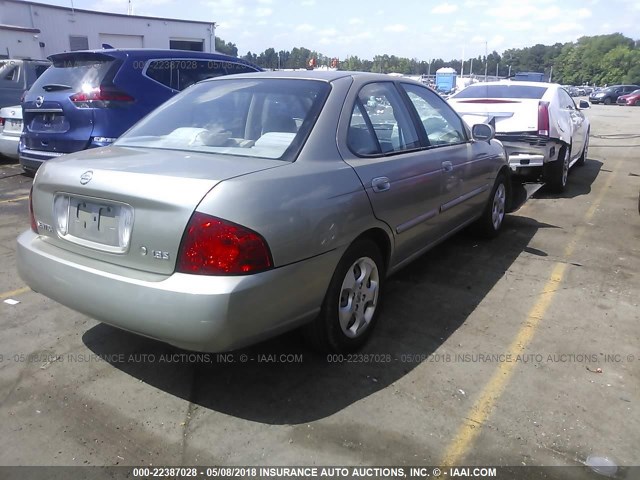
444, 8
564, 27
265, 2
263, 12
308, 3
305, 27
356, 21
397, 27
584, 13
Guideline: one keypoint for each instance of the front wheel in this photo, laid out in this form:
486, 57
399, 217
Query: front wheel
352, 302
557, 172
607, 101
490, 223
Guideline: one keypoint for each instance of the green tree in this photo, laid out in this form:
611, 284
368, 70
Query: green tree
226, 48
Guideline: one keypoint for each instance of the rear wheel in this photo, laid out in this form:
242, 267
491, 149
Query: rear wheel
352, 303
585, 150
557, 172
490, 223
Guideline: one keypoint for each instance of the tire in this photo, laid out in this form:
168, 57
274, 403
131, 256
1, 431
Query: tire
492, 219
607, 101
352, 303
28, 172
585, 152
557, 172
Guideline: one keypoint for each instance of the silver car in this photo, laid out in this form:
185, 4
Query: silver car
250, 205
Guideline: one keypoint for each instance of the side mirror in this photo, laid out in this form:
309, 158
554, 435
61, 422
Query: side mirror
583, 104
482, 132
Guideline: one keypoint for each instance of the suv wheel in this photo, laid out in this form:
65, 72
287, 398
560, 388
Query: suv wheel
607, 101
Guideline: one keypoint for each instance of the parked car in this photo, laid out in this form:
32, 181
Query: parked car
571, 90
541, 127
89, 98
17, 76
10, 130
632, 98
249, 205
610, 94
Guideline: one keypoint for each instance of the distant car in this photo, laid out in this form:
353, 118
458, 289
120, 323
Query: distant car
541, 127
88, 99
250, 205
10, 130
610, 94
632, 98
17, 76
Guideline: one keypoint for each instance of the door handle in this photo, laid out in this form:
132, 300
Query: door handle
380, 184
447, 166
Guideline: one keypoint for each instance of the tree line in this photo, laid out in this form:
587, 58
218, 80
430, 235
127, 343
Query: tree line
595, 60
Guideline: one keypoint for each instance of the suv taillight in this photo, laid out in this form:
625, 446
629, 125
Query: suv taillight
211, 246
543, 118
99, 97
32, 217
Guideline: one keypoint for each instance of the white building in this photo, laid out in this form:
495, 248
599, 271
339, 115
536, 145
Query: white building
35, 30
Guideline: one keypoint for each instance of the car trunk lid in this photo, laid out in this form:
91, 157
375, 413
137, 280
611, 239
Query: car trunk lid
129, 206
506, 115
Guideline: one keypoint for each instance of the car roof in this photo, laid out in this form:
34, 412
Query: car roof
146, 53
518, 83
324, 75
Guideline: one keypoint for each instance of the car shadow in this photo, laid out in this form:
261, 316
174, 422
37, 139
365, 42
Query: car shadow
282, 381
579, 182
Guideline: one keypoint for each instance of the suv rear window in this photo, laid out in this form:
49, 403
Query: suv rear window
76, 71
179, 74
502, 91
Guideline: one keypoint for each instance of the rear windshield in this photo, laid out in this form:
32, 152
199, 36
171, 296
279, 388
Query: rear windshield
76, 72
502, 91
267, 118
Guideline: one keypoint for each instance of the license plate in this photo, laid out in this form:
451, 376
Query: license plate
97, 224
13, 125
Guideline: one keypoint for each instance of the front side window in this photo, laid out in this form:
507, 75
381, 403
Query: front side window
268, 118
566, 101
442, 126
380, 123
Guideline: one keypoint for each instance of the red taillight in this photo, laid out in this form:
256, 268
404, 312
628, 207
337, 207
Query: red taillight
100, 97
1, 122
32, 217
211, 246
543, 118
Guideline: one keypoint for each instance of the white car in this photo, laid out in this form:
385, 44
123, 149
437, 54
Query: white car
10, 130
542, 129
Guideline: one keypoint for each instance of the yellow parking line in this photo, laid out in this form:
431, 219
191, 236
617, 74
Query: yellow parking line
17, 199
14, 293
482, 408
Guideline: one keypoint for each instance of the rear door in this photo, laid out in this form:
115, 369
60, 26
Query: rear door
402, 180
58, 109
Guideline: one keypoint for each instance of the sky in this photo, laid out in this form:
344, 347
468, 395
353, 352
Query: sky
421, 29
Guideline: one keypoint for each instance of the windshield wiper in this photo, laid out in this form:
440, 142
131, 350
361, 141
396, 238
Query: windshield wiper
56, 86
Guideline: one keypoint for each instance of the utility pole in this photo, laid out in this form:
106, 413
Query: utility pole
497, 65
486, 61
551, 74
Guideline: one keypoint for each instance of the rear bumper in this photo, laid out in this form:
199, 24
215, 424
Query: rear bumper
201, 313
32, 159
528, 152
9, 145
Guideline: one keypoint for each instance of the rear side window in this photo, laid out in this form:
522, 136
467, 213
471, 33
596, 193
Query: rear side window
502, 91
9, 71
77, 72
380, 123
179, 74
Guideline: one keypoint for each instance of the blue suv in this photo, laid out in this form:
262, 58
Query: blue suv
88, 99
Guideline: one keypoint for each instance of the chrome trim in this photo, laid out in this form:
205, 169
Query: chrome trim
44, 110
41, 153
463, 198
403, 227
